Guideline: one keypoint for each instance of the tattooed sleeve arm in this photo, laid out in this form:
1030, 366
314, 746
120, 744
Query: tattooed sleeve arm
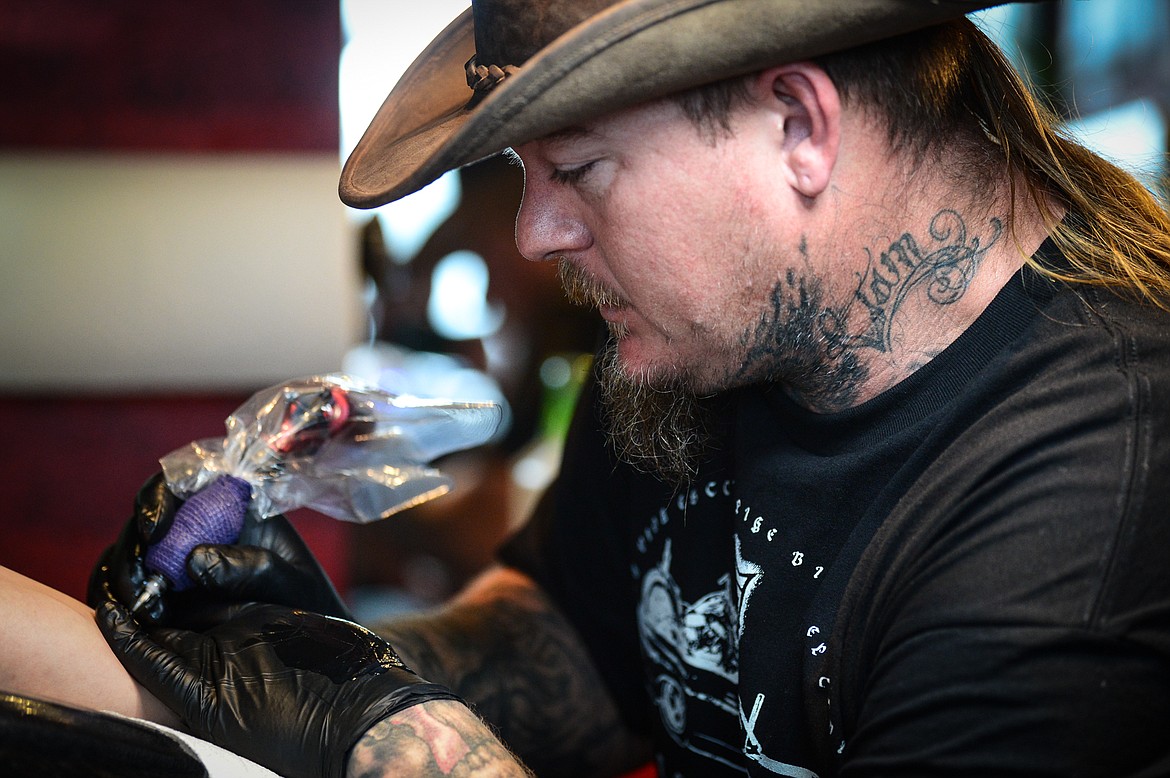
434, 738
503, 647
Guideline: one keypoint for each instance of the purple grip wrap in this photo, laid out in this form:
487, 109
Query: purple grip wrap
213, 515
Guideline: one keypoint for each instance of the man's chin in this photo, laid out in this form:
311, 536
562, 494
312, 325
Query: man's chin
637, 363
651, 370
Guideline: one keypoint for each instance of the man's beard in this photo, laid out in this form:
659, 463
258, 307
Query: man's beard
660, 429
657, 426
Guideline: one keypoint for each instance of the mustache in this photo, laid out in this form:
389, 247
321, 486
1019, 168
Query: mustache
583, 289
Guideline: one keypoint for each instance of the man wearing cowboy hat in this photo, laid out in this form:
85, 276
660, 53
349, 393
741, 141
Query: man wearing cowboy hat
872, 476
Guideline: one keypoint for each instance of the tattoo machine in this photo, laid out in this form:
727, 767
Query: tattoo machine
331, 443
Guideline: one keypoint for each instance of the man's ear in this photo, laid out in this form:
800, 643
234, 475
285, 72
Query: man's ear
807, 108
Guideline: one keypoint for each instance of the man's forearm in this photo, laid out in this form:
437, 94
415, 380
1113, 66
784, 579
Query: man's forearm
440, 738
504, 648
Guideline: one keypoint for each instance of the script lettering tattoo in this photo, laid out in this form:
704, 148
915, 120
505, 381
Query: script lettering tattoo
813, 346
944, 270
523, 669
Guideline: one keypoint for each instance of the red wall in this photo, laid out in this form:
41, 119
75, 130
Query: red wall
206, 75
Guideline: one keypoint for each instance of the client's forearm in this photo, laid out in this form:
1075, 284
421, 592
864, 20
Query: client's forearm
50, 648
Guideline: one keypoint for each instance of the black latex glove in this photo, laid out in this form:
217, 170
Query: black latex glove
291, 690
269, 563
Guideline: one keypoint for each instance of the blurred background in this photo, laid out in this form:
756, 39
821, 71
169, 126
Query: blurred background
171, 241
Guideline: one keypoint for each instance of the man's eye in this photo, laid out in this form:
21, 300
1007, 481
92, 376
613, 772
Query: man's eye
571, 175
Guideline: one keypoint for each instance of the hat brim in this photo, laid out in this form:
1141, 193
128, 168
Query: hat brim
634, 51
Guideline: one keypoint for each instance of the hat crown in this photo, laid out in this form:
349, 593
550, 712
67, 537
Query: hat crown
509, 32
536, 66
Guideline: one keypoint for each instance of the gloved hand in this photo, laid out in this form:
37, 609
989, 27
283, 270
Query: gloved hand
291, 690
269, 563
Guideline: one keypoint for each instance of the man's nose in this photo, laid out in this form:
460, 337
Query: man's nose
547, 227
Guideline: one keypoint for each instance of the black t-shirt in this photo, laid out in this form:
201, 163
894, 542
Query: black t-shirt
969, 573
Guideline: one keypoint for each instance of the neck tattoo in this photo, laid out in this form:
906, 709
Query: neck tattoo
815, 348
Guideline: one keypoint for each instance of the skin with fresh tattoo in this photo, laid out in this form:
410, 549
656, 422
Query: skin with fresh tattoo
504, 648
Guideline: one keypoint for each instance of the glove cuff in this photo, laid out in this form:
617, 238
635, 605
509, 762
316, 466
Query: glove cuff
408, 696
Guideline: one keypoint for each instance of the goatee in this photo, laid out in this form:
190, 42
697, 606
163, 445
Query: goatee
658, 427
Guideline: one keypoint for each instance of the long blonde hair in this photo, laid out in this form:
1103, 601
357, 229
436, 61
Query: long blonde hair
950, 87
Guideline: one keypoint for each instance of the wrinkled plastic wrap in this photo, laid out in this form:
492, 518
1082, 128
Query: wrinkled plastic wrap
336, 445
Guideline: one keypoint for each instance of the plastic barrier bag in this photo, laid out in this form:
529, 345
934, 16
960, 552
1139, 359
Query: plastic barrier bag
336, 445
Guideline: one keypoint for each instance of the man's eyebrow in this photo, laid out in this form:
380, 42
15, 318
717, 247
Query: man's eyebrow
562, 136
574, 132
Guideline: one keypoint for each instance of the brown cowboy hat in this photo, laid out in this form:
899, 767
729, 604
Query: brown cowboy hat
509, 71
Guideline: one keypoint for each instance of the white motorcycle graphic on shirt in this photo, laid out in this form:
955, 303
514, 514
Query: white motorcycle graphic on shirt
696, 647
